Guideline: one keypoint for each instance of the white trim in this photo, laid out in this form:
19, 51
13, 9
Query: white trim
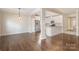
71, 33
14, 33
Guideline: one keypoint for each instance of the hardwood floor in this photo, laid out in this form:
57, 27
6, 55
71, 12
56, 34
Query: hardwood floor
28, 42
61, 42
19, 42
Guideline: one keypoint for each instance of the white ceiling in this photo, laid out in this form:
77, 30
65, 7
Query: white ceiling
28, 11
63, 10
25, 11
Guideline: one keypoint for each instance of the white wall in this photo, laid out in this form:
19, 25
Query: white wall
0, 22
12, 25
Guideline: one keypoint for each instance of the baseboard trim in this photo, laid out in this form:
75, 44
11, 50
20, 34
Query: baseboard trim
14, 33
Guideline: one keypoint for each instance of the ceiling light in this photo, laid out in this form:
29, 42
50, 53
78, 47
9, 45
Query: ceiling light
19, 14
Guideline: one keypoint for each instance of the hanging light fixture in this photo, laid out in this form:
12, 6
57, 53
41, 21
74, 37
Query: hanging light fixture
19, 15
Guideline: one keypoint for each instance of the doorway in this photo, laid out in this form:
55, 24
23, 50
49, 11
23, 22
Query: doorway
37, 26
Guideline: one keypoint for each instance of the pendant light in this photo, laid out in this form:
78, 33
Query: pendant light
19, 14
